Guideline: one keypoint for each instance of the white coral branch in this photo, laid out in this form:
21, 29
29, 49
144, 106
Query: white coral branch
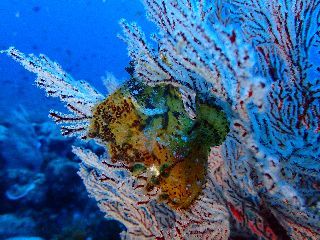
79, 97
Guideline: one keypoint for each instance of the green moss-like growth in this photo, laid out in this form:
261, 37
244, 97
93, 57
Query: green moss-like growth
138, 168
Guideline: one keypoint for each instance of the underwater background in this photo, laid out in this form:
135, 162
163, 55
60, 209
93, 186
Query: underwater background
214, 135
41, 195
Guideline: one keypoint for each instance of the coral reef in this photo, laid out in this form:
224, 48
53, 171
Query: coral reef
18, 125
48, 201
249, 65
12, 225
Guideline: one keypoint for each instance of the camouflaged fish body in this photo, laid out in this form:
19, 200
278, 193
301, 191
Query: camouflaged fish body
148, 129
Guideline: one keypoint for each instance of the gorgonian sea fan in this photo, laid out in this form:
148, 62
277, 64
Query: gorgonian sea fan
246, 68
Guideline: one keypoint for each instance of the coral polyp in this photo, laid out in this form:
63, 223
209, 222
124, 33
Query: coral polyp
148, 130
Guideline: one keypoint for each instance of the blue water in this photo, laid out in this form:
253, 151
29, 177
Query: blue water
79, 35
82, 37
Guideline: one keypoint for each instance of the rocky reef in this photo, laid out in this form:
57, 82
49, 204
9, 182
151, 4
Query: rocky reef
41, 194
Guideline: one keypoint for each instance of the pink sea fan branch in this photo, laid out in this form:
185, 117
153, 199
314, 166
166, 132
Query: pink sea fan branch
79, 97
114, 189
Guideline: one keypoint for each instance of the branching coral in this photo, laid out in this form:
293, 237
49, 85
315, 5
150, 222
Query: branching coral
79, 97
252, 60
